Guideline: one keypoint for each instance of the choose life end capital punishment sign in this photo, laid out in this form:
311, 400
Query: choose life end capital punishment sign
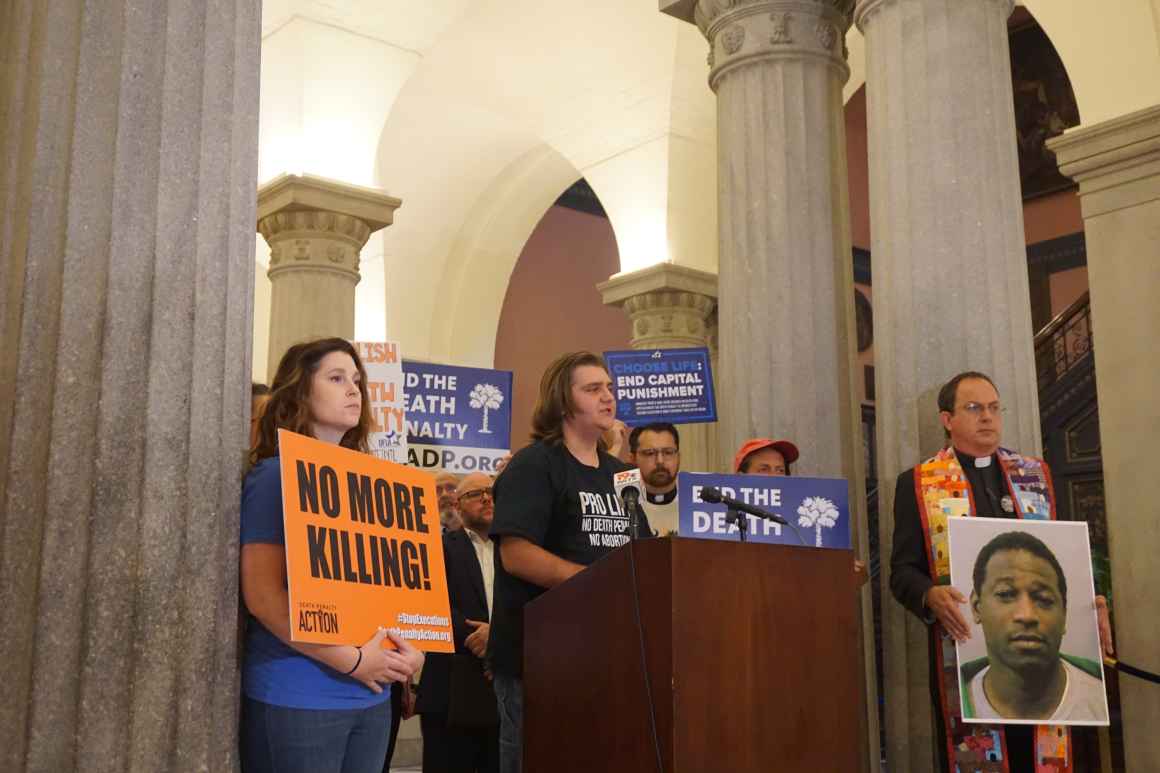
819, 508
458, 419
363, 547
662, 385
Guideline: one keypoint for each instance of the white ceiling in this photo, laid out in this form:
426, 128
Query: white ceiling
413, 25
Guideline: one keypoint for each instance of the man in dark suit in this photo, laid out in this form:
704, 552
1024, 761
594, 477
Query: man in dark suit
972, 476
456, 704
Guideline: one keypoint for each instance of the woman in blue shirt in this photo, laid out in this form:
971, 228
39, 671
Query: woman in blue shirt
308, 707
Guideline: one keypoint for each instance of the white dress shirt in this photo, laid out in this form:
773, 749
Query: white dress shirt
485, 552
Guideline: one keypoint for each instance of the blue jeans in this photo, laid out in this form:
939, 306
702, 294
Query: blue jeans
277, 739
509, 696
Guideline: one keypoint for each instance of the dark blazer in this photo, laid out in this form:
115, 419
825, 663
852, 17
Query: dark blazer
909, 567
468, 602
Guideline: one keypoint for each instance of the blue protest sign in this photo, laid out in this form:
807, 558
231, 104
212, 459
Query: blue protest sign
458, 419
671, 385
819, 508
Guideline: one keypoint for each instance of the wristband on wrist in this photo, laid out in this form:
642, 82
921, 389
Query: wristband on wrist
357, 663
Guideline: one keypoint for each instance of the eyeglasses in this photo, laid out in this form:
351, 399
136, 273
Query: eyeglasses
978, 409
653, 453
474, 494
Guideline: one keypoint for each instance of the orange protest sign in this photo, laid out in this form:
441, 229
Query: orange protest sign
363, 547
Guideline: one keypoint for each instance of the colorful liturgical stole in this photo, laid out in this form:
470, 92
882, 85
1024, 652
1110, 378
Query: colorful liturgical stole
942, 490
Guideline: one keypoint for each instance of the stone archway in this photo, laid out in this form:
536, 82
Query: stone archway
475, 276
1111, 58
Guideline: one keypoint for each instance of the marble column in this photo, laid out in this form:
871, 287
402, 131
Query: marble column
950, 269
671, 307
315, 228
126, 261
785, 316
1117, 166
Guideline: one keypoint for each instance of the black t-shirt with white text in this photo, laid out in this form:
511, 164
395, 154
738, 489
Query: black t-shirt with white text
570, 509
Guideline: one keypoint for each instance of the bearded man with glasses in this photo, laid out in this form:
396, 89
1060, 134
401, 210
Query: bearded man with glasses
456, 702
656, 450
972, 476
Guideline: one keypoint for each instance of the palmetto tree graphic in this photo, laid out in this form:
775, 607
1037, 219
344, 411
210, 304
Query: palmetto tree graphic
488, 397
816, 512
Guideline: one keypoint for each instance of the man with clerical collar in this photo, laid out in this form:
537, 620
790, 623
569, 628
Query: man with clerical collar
1020, 600
972, 476
656, 450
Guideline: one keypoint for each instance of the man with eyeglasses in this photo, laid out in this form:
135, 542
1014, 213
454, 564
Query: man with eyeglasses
656, 450
456, 702
972, 476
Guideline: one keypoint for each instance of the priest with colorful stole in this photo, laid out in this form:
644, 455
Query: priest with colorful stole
974, 476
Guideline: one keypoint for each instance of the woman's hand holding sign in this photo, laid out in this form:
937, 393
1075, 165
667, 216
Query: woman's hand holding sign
378, 665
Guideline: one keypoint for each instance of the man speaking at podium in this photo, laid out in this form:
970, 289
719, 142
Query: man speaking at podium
556, 511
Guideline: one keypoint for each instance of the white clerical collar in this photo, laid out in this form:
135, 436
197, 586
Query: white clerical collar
981, 462
662, 498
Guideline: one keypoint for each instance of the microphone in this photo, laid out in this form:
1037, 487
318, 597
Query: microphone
713, 494
627, 485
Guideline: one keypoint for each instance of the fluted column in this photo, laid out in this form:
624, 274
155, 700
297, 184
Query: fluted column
717, 460
126, 262
670, 307
1117, 166
785, 278
316, 229
950, 268
785, 320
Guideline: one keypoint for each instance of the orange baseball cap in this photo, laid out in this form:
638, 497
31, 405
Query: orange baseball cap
787, 449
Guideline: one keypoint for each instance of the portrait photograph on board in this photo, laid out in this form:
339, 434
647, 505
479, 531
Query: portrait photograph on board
1033, 655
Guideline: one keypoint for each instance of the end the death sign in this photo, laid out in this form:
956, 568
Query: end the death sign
363, 547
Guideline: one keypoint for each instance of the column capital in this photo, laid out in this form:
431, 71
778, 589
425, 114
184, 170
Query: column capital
662, 276
292, 192
743, 31
866, 9
669, 305
1116, 163
314, 223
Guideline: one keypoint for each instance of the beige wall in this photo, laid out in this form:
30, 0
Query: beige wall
1049, 217
1066, 287
858, 168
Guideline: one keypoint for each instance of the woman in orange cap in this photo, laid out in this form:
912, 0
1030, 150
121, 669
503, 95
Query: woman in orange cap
763, 456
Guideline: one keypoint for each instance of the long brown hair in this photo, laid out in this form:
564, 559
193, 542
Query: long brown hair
554, 403
289, 403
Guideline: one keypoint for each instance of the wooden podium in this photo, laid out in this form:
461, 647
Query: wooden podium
751, 652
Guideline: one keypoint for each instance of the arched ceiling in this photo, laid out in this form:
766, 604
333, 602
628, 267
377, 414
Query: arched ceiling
606, 85
448, 104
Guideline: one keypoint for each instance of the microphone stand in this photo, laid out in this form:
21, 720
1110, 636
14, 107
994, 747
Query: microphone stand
630, 504
734, 516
